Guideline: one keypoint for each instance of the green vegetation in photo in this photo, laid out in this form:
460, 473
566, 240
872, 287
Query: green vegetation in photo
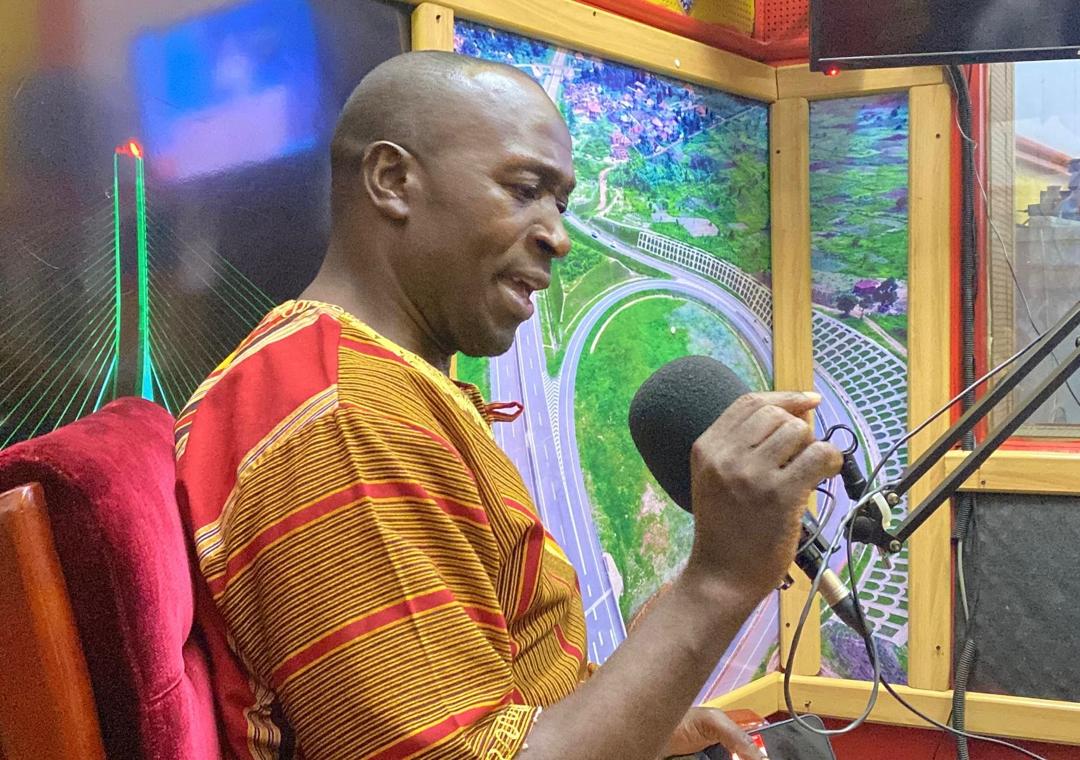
646, 534
720, 176
577, 281
608, 273
763, 666
585, 253
859, 197
474, 369
895, 325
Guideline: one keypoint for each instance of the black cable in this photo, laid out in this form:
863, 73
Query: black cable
965, 661
965, 503
966, 735
825, 488
870, 644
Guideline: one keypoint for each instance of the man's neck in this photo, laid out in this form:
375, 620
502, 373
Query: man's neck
378, 304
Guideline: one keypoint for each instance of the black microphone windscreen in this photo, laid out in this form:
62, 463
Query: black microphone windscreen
672, 409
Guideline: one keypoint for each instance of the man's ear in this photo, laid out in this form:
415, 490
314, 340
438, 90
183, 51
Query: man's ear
389, 171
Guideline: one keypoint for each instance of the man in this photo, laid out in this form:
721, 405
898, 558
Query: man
378, 582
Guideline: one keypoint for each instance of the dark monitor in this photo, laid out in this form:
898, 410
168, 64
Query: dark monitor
860, 34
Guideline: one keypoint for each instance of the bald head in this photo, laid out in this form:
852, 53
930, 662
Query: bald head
422, 101
450, 177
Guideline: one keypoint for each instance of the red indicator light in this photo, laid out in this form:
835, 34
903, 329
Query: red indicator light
832, 71
130, 148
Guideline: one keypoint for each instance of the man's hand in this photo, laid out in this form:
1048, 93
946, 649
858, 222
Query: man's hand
752, 473
705, 726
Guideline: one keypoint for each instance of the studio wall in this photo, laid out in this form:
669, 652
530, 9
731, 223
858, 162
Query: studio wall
165, 181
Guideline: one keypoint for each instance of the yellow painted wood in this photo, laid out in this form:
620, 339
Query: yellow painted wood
793, 361
801, 82
1013, 717
432, 27
736, 14
930, 585
1043, 472
758, 696
591, 30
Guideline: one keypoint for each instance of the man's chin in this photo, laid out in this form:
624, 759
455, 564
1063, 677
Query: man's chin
490, 345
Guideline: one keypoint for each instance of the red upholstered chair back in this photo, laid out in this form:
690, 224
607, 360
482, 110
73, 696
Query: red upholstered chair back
108, 482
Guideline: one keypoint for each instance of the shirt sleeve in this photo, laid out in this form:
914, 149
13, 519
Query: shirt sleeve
359, 586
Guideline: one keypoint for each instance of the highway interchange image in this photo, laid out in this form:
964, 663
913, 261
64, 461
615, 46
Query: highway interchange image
670, 230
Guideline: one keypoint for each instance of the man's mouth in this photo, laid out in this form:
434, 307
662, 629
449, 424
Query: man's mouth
519, 289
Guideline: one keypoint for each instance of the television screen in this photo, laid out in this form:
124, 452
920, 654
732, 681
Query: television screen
233, 87
881, 33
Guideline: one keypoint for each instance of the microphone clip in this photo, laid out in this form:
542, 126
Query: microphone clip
871, 520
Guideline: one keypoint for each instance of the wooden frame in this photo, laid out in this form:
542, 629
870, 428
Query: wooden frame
793, 359
788, 90
1000, 171
1034, 472
991, 714
47, 707
617, 38
929, 335
801, 82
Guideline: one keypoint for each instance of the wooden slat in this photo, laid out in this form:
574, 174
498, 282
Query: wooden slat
432, 27
930, 586
1037, 472
1014, 717
46, 705
591, 30
801, 82
793, 360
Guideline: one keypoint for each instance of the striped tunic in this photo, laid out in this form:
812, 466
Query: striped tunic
376, 580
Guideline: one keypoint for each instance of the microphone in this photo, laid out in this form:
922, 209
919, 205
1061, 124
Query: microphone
669, 413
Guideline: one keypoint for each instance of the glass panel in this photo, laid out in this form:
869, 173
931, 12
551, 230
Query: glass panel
1034, 222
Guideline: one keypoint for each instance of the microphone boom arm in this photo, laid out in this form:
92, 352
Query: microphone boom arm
891, 541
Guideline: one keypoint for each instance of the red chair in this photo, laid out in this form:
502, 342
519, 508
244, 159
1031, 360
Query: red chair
108, 487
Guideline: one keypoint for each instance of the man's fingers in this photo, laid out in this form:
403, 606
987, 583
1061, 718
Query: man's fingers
817, 461
769, 412
763, 423
718, 728
794, 402
787, 441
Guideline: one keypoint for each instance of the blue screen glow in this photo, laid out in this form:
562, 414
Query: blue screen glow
235, 87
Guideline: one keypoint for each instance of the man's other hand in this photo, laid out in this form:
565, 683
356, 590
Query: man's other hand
703, 727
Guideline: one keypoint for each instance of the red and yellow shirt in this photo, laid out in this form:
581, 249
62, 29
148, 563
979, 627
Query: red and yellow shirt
376, 580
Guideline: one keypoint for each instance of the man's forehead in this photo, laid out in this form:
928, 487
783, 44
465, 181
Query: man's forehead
541, 140
513, 118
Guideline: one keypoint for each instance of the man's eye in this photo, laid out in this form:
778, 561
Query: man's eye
527, 192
